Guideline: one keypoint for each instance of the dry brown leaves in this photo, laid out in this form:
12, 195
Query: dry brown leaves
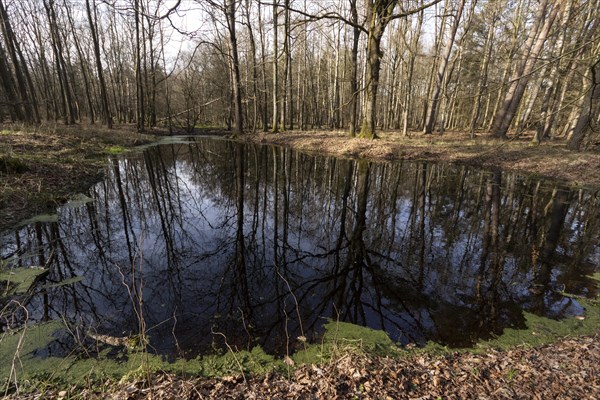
550, 159
564, 370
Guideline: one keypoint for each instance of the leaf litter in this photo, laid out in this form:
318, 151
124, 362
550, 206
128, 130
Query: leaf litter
567, 369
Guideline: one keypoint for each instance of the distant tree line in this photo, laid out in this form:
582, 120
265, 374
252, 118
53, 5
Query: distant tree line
494, 66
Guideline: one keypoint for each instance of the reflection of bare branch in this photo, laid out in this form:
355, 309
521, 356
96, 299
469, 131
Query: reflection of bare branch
16, 357
297, 306
237, 361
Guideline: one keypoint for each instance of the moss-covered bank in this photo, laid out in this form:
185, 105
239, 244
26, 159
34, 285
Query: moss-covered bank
24, 368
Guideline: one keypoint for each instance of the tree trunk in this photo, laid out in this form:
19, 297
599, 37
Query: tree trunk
275, 128
354, 69
483, 74
8, 84
235, 68
287, 113
30, 113
589, 112
254, 66
84, 70
414, 42
68, 111
264, 106
441, 72
139, 79
378, 16
373, 70
106, 115
533, 46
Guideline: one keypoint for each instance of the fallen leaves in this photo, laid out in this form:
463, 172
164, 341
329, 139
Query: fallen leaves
550, 159
567, 369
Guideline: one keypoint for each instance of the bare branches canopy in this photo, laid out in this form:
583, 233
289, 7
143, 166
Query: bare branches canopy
357, 65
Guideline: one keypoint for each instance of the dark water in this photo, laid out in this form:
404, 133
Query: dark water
263, 244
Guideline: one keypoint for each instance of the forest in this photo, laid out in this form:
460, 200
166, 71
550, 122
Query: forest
299, 199
486, 67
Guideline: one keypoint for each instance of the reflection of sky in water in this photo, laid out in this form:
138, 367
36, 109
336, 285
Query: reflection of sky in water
424, 265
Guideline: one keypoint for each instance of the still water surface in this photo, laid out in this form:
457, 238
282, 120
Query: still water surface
263, 244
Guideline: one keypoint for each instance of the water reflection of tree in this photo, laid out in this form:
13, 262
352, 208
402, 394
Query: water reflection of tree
261, 243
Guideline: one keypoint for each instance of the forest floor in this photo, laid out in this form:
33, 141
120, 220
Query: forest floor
567, 369
550, 159
40, 168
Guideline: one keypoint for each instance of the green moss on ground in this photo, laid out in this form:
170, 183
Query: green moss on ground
32, 372
20, 364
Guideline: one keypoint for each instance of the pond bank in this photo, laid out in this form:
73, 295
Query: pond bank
565, 369
350, 362
40, 167
516, 371
549, 159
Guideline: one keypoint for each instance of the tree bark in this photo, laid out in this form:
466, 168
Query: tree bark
235, 68
441, 72
589, 112
533, 46
106, 115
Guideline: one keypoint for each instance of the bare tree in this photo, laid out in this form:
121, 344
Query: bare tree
533, 46
588, 118
106, 114
379, 14
443, 64
230, 10
274, 127
24, 87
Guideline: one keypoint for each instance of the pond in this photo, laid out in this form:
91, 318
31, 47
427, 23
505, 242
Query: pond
204, 243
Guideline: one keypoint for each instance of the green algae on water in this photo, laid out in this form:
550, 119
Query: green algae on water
19, 280
114, 150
